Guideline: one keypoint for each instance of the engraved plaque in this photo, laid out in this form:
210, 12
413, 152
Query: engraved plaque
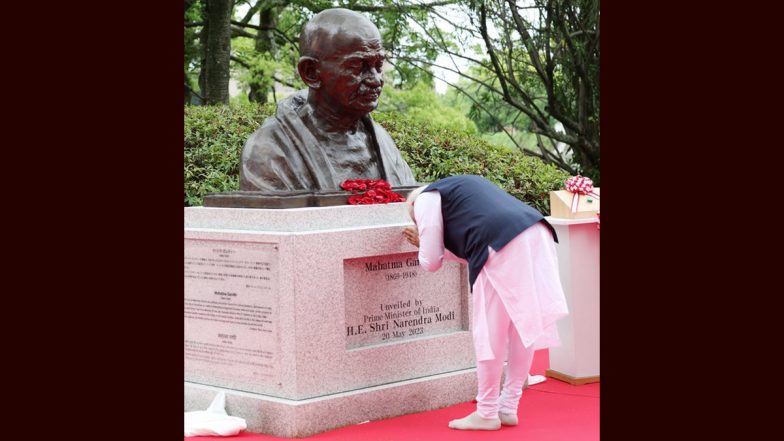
391, 298
231, 311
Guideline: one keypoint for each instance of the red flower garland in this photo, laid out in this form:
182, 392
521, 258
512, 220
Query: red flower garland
375, 192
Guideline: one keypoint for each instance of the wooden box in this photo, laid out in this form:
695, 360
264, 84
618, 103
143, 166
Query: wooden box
561, 205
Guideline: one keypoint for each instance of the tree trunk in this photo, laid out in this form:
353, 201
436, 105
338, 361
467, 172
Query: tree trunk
216, 79
265, 42
203, 50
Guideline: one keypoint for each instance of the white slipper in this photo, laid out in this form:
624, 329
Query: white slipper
535, 379
475, 422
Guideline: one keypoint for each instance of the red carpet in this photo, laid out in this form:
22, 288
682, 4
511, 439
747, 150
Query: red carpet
549, 411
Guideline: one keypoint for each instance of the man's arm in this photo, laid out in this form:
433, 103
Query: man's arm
430, 223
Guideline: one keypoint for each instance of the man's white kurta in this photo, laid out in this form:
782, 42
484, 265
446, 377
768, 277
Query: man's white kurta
524, 273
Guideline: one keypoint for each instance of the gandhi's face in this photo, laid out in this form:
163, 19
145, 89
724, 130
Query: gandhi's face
352, 76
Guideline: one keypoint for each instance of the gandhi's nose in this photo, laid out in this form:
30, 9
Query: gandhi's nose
375, 78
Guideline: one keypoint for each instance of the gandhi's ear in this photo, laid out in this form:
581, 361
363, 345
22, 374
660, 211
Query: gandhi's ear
308, 68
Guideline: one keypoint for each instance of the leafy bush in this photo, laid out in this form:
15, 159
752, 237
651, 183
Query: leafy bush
434, 153
214, 137
422, 103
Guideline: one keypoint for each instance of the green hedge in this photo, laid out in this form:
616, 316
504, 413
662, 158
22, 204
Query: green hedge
214, 137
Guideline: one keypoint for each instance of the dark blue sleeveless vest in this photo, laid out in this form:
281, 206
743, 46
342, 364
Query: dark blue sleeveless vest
477, 213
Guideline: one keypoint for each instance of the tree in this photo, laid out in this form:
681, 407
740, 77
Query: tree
192, 50
542, 62
265, 44
218, 51
421, 103
533, 65
561, 53
275, 38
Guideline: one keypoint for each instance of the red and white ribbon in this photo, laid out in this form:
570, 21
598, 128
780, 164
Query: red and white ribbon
579, 185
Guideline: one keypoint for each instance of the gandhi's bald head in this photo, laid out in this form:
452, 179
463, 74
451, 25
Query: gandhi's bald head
342, 63
330, 29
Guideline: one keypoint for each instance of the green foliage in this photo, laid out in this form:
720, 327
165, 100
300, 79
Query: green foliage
525, 139
253, 68
562, 98
546, 55
191, 39
436, 152
214, 137
421, 103
392, 17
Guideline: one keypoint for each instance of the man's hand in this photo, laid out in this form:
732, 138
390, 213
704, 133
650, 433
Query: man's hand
412, 235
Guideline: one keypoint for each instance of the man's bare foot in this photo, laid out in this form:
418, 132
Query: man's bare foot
475, 422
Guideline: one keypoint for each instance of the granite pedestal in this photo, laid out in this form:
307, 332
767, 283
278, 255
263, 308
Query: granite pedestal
316, 318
